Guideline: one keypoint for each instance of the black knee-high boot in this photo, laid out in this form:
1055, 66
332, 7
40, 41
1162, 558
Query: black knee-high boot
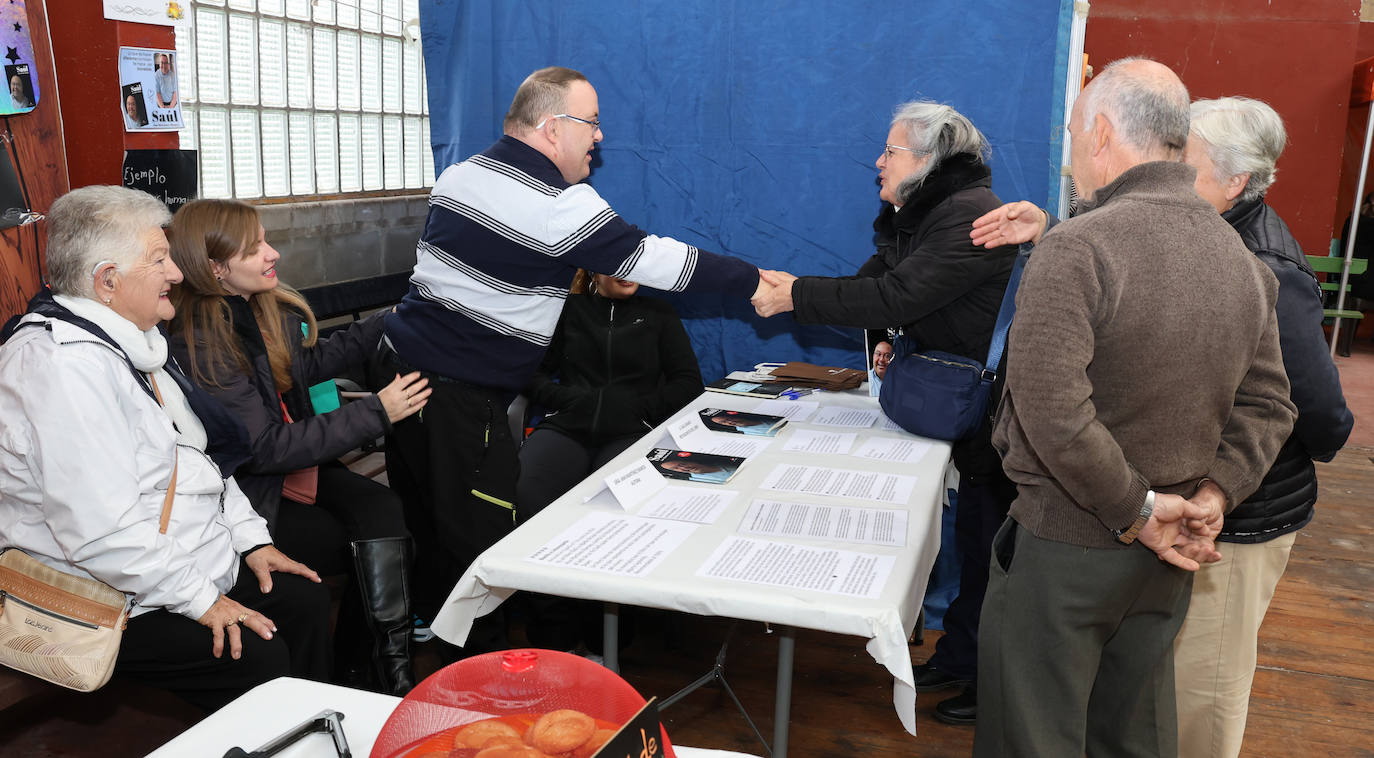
383, 571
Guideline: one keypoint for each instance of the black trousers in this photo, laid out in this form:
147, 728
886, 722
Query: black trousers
1077, 650
172, 652
454, 465
347, 507
551, 463
981, 506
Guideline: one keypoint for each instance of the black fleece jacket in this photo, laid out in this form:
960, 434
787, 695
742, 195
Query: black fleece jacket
615, 368
928, 278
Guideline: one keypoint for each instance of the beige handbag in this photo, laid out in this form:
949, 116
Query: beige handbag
60, 627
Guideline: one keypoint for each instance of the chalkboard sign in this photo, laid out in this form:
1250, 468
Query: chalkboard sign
642, 737
168, 175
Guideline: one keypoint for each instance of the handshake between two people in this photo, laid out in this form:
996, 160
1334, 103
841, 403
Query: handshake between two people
774, 293
1011, 224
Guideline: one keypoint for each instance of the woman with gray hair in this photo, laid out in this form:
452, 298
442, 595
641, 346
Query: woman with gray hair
929, 280
99, 425
1234, 143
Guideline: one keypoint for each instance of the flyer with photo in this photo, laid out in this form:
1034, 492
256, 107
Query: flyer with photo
20, 77
694, 467
149, 94
741, 422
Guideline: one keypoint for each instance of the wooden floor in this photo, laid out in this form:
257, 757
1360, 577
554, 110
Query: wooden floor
1313, 694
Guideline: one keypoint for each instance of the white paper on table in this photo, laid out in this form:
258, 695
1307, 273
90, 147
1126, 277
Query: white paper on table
839, 572
792, 410
888, 425
692, 504
838, 415
689, 434
869, 526
635, 483
613, 544
834, 482
812, 441
895, 450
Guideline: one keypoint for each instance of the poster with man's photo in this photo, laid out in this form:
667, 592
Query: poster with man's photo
20, 79
150, 97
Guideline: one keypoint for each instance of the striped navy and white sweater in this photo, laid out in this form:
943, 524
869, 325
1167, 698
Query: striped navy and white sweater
505, 235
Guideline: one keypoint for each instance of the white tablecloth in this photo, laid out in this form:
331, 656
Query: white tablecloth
885, 622
268, 710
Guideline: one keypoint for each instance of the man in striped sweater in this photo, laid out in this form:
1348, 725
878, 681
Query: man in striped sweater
507, 229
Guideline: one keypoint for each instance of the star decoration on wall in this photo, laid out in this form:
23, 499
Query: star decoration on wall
12, 55
17, 27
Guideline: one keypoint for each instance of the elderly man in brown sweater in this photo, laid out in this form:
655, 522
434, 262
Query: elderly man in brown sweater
1143, 368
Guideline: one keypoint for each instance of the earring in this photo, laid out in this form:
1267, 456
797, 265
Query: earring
107, 300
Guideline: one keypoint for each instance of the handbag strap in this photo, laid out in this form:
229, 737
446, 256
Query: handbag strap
993, 364
166, 517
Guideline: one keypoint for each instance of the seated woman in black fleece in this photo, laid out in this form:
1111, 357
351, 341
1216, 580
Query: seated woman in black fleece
619, 365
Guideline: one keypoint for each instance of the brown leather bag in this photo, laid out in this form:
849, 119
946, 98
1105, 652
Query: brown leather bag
60, 627
301, 485
825, 377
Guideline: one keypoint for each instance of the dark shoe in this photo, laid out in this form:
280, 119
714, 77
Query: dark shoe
960, 709
929, 679
383, 569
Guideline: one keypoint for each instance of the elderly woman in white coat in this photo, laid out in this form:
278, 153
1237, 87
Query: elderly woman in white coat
98, 425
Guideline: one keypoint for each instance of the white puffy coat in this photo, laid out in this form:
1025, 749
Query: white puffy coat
85, 459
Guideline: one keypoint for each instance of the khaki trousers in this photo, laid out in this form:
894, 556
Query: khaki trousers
1214, 654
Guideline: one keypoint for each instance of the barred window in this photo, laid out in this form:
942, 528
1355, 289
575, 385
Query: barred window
288, 98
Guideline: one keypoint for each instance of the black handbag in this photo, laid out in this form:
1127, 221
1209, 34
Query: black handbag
941, 395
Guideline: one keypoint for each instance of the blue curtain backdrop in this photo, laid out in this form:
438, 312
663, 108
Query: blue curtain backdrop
750, 127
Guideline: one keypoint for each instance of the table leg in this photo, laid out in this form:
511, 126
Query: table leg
782, 707
610, 636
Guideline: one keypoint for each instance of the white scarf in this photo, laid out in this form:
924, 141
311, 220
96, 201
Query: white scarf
147, 350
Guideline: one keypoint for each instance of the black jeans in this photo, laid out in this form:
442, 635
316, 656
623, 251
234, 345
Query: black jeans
173, 652
347, 507
454, 465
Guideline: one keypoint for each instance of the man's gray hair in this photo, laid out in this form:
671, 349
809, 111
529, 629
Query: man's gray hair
1242, 136
938, 131
543, 93
1150, 112
98, 223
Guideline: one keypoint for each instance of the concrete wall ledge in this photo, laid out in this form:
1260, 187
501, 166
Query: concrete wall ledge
332, 241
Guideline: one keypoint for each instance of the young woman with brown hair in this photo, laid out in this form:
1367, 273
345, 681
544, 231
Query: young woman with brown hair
252, 342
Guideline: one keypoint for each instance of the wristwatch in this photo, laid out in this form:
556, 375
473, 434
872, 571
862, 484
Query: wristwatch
1127, 536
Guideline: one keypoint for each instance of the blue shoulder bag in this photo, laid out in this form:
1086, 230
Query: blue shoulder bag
941, 395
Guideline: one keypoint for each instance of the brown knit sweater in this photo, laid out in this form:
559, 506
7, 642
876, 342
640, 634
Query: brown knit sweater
1144, 355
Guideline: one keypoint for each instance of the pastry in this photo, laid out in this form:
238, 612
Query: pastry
560, 731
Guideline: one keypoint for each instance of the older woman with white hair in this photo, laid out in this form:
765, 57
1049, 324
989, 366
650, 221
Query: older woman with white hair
99, 425
1234, 143
929, 280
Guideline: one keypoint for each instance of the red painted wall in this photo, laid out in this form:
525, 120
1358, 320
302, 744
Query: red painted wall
86, 47
1294, 54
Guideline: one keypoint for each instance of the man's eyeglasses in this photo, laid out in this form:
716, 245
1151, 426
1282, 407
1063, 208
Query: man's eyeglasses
595, 124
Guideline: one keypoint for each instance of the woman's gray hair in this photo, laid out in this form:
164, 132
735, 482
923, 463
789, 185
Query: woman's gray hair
98, 223
938, 131
1242, 136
